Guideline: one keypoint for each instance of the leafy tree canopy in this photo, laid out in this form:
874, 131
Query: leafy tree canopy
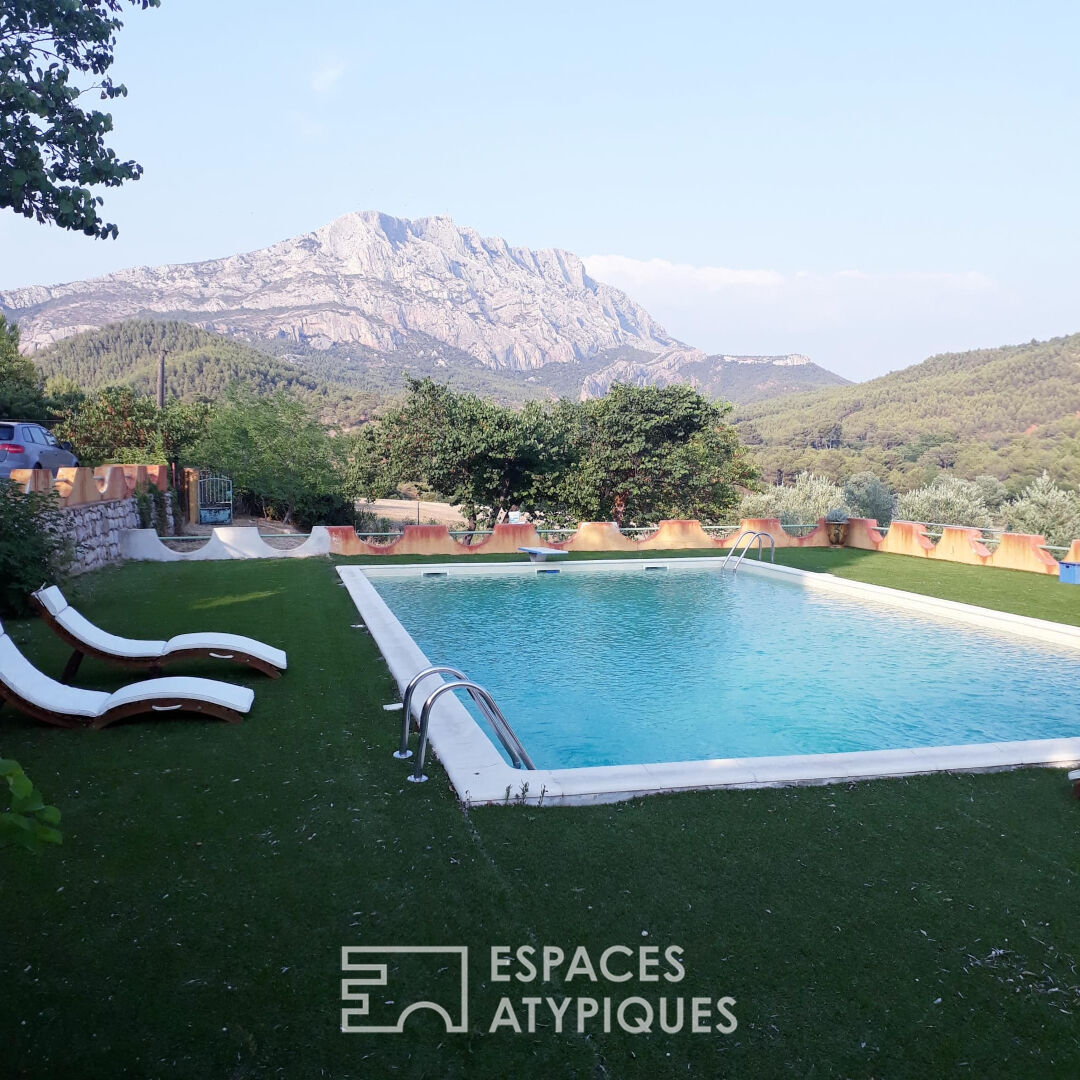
52, 151
635, 456
117, 425
648, 453
276, 452
20, 385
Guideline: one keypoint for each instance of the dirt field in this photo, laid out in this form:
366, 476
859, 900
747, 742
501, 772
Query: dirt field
406, 511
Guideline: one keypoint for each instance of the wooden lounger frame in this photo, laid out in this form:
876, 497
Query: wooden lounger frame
153, 664
121, 712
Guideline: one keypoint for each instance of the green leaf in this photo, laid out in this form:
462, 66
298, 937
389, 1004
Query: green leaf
46, 835
21, 786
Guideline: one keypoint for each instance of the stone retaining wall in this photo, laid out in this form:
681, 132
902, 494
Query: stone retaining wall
94, 530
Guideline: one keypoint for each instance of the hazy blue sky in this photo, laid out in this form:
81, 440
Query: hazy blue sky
864, 183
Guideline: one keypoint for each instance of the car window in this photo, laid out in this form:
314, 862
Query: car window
7, 432
50, 438
30, 434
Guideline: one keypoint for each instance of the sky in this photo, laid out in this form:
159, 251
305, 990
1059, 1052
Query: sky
866, 184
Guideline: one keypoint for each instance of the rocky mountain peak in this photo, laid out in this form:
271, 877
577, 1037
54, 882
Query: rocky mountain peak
385, 283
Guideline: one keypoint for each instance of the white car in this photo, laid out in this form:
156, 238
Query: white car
26, 445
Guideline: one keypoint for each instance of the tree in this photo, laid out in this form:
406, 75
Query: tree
1048, 511
20, 384
637, 455
947, 501
648, 453
994, 492
116, 425
484, 458
107, 423
800, 503
52, 151
367, 472
63, 394
277, 454
867, 497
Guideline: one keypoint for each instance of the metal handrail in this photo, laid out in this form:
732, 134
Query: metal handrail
403, 752
749, 542
511, 743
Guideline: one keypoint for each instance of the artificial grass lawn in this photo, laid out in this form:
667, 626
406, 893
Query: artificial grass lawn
191, 923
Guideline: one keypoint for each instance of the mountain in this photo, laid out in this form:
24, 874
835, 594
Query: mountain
372, 280
1010, 412
369, 296
744, 379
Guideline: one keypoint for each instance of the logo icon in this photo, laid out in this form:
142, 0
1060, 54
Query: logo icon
362, 962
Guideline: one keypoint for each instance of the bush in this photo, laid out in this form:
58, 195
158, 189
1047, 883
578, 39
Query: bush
802, 503
33, 548
994, 492
868, 497
947, 501
28, 821
1047, 510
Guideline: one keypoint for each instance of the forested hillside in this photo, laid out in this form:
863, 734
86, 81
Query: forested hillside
199, 367
1009, 412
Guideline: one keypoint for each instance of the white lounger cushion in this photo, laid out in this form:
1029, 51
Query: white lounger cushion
130, 648
227, 644
83, 629
32, 685
209, 690
53, 599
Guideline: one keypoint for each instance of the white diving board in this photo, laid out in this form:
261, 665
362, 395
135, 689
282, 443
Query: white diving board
540, 554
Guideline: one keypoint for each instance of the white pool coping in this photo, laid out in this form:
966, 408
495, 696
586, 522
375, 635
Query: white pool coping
480, 775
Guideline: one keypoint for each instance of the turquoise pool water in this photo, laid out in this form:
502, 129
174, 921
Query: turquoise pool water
632, 666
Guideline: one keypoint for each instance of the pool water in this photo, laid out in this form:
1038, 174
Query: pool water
620, 667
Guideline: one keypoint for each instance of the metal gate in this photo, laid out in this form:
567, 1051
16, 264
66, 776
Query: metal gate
215, 500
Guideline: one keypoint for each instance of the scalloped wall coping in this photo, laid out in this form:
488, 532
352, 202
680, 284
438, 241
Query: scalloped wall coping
1014, 551
106, 483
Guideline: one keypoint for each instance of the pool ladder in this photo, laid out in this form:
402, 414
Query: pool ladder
750, 537
485, 702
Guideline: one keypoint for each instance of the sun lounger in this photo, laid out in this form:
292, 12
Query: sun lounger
87, 639
36, 694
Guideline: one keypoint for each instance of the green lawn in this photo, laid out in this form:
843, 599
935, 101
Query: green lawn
191, 923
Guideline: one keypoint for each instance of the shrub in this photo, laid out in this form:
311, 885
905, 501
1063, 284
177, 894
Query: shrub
868, 497
1047, 510
28, 821
810, 497
994, 492
947, 501
33, 548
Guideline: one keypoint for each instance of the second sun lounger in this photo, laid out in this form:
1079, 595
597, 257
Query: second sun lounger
90, 640
34, 693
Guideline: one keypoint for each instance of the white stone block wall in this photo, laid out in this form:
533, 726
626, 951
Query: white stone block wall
94, 530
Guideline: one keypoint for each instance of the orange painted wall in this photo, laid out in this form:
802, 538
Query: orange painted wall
957, 544
79, 486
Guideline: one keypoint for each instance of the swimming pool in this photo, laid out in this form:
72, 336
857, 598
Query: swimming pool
610, 665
